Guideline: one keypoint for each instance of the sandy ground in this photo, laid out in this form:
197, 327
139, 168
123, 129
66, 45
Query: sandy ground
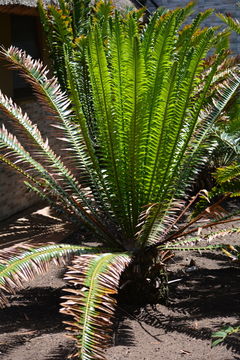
203, 298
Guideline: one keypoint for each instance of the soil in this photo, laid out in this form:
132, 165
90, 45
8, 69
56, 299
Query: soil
204, 296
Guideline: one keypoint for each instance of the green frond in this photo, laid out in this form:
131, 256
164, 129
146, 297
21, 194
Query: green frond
206, 120
109, 101
79, 91
189, 148
149, 30
39, 187
234, 24
231, 188
22, 172
186, 105
136, 85
81, 12
22, 263
91, 303
228, 173
79, 197
57, 25
100, 78
228, 146
161, 75
36, 171
195, 248
182, 243
43, 150
57, 103
191, 33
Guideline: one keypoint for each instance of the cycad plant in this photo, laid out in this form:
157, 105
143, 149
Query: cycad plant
222, 170
228, 173
221, 174
134, 153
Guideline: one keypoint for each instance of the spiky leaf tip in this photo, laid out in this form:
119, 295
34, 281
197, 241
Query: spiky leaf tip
91, 302
21, 264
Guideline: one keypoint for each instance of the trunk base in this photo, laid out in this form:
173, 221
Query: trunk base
145, 281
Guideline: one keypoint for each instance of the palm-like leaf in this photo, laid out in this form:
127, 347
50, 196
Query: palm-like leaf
231, 22
21, 264
92, 303
228, 173
228, 180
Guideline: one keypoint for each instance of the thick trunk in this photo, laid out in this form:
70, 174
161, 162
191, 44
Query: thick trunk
145, 280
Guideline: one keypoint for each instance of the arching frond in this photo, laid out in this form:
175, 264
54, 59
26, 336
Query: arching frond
234, 24
22, 263
57, 103
228, 173
43, 150
62, 26
195, 144
195, 242
92, 303
44, 178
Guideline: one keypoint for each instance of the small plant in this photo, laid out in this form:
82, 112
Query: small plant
233, 252
228, 172
220, 336
222, 172
135, 147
